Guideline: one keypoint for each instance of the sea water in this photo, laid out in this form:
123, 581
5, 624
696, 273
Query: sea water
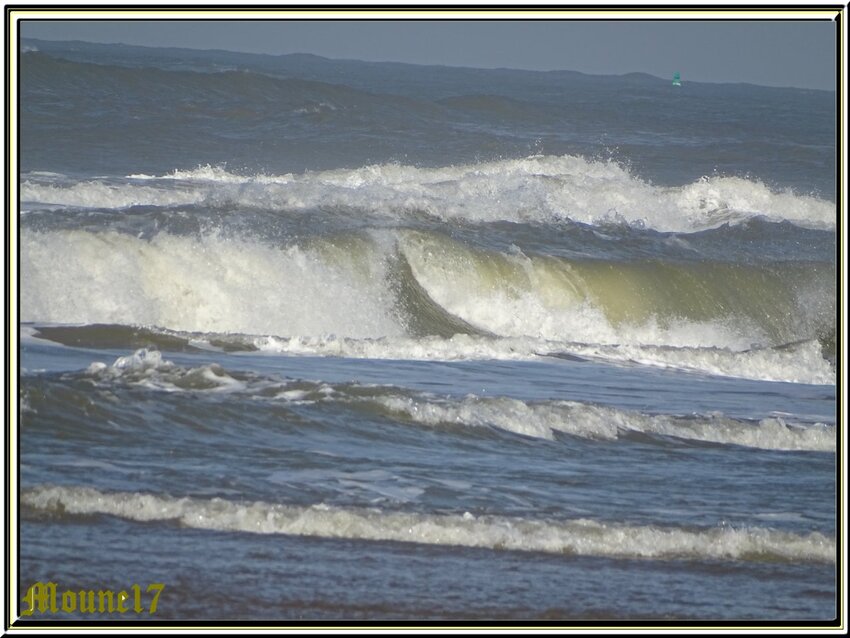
305, 339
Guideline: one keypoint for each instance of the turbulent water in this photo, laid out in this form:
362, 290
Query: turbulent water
390, 342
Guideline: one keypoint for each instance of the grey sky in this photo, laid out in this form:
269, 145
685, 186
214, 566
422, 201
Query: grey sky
771, 53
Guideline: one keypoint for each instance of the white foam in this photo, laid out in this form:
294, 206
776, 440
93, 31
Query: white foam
542, 419
720, 200
456, 348
538, 419
339, 300
582, 537
147, 368
801, 364
206, 284
519, 297
539, 188
612, 304
216, 174
101, 194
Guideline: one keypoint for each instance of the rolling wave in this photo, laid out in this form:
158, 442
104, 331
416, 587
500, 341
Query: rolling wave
703, 304
206, 284
801, 362
536, 419
229, 92
422, 294
580, 537
548, 189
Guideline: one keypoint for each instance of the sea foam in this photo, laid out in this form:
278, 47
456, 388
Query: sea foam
580, 537
536, 419
350, 298
532, 189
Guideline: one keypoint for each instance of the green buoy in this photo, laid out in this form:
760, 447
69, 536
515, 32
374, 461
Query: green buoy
677, 81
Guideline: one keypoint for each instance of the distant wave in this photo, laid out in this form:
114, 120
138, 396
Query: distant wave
534, 189
201, 90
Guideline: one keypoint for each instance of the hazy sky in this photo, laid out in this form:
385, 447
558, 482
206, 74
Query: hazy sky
772, 53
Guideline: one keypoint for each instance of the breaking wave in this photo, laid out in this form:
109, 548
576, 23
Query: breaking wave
580, 537
418, 294
536, 419
533, 189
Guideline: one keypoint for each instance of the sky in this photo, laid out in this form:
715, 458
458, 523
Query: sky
771, 53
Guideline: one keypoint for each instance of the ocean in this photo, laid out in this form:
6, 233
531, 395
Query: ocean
307, 340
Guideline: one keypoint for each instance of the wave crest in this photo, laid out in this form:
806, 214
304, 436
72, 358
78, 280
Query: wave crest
533, 189
581, 537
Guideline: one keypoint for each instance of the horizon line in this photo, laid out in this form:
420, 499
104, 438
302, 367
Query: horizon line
421, 64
